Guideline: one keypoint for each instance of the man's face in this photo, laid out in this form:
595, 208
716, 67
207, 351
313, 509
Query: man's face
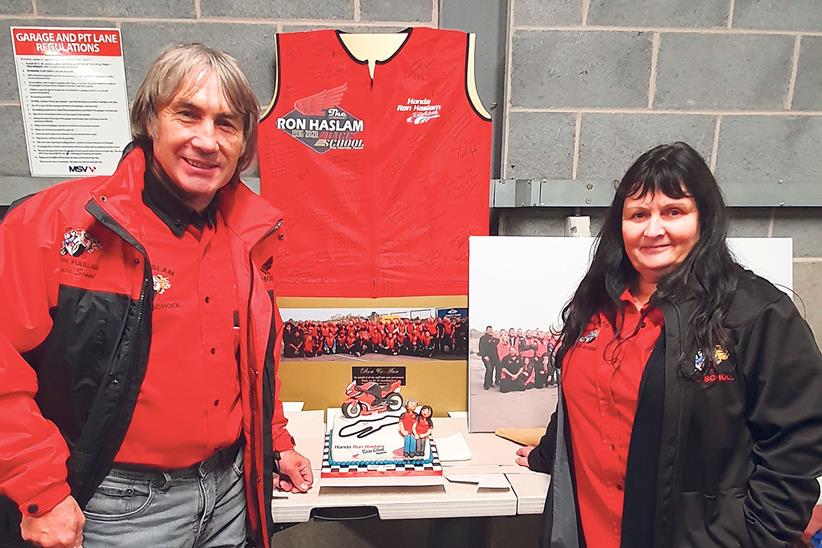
198, 140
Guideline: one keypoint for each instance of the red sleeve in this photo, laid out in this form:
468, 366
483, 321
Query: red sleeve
280, 436
33, 453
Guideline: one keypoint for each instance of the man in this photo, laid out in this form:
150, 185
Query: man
512, 373
513, 340
488, 352
140, 338
407, 421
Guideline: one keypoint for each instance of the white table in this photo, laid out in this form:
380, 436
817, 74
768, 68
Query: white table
490, 455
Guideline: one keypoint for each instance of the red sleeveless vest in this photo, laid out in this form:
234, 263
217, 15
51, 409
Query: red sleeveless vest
381, 181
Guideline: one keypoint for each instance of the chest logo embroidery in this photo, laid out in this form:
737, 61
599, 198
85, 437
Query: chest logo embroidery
419, 111
265, 269
589, 337
319, 122
718, 370
161, 283
699, 361
77, 241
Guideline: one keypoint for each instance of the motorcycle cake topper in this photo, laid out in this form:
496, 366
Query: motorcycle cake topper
370, 397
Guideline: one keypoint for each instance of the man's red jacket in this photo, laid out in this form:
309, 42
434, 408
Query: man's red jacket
76, 290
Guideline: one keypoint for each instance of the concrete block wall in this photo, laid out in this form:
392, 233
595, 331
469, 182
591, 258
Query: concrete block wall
244, 29
589, 85
594, 83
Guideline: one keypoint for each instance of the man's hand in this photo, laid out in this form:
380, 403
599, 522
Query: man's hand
295, 473
60, 527
522, 454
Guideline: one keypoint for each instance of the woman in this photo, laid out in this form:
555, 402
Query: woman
503, 347
422, 429
689, 411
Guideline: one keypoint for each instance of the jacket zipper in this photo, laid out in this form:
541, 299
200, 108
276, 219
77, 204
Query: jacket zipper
118, 229
660, 537
252, 381
98, 212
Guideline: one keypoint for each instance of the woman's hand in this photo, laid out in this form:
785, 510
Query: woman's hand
522, 455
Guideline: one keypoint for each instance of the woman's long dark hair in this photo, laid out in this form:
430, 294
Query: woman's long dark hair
708, 274
429, 418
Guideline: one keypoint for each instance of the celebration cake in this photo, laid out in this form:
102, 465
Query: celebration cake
375, 437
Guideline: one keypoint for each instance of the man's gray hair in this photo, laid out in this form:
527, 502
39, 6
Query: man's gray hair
188, 65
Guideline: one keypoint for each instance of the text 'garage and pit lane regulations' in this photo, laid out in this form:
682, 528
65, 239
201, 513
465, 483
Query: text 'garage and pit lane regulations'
73, 96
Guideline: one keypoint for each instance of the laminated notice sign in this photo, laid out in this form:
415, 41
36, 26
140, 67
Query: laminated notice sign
73, 97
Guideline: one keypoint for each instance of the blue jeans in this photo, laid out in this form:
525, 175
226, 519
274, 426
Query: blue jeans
200, 506
410, 445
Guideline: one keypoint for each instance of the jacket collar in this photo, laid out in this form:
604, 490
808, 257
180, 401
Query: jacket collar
160, 198
245, 213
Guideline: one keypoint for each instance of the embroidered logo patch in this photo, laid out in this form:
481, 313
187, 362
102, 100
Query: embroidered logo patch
699, 361
161, 283
720, 369
77, 241
720, 355
266, 268
589, 337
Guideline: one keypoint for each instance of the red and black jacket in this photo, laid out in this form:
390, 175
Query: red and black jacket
76, 286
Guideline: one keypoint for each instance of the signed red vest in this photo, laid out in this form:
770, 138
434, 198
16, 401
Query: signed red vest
381, 180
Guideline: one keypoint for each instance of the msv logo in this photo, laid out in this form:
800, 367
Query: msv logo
81, 169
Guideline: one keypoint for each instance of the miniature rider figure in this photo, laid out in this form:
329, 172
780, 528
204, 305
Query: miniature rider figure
376, 390
407, 421
422, 429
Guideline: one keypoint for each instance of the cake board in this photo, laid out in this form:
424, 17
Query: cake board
370, 475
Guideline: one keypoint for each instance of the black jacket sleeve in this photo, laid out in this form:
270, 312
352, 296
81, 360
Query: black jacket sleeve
783, 370
541, 459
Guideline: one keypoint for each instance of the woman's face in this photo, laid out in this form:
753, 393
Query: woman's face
659, 232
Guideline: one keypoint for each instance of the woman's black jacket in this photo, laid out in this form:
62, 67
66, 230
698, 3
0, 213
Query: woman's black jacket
733, 457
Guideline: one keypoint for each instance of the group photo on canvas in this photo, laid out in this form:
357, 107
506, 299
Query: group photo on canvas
360, 334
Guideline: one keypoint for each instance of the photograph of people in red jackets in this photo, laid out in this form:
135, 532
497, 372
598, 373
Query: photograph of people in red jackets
689, 412
139, 349
374, 335
516, 360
